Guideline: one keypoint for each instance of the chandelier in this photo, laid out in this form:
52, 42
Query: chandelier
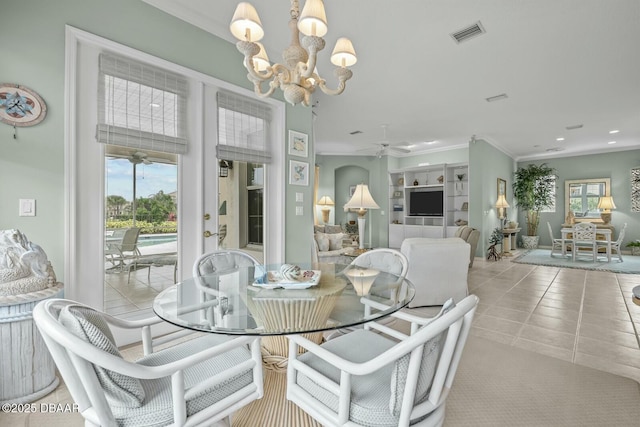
297, 77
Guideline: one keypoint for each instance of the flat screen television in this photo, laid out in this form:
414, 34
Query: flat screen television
426, 203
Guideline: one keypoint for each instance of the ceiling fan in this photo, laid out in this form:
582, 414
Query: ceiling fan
384, 146
136, 157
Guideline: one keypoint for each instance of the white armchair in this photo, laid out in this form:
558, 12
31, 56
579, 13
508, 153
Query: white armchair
366, 379
197, 382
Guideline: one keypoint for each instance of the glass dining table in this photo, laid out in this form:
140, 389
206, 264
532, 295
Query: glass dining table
270, 302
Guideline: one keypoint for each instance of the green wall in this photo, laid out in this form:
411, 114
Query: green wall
617, 166
32, 48
486, 165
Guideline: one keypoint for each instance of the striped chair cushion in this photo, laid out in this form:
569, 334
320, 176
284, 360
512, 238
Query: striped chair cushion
90, 326
157, 409
370, 393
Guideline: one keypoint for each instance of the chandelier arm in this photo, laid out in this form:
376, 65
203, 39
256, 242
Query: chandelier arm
343, 74
257, 87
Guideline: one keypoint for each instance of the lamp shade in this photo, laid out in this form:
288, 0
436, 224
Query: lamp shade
362, 199
502, 202
325, 201
362, 279
606, 203
313, 19
343, 55
245, 24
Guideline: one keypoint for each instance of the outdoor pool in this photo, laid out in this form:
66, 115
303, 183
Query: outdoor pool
156, 239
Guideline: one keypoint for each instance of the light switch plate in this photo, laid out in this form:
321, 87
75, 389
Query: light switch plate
299, 210
299, 198
27, 207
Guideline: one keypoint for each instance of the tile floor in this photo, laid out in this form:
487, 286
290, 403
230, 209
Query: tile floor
584, 317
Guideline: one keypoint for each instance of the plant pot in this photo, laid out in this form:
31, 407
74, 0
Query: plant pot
530, 242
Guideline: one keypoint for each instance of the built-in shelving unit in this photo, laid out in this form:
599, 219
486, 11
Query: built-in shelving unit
451, 181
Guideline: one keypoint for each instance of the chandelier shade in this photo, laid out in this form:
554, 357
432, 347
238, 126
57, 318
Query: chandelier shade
245, 24
313, 19
297, 77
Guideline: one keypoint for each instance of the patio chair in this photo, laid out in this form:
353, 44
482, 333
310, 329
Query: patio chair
556, 244
196, 382
117, 251
366, 379
617, 245
584, 237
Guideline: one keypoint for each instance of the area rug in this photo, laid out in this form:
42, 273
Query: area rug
631, 264
500, 385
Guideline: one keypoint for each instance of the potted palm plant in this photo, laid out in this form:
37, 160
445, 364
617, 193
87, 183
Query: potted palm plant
533, 189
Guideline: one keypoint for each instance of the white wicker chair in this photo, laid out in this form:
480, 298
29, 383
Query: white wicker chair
556, 244
366, 379
616, 247
584, 237
382, 259
196, 382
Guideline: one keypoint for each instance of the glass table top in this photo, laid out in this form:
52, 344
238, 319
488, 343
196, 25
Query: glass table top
273, 300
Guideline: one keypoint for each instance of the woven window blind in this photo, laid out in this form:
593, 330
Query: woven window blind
141, 106
243, 129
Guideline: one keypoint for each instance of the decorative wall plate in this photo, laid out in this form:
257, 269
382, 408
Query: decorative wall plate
20, 106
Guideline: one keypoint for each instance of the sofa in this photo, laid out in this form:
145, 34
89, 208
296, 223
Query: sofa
438, 269
330, 243
471, 236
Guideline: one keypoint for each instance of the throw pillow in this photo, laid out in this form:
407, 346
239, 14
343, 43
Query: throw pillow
89, 325
335, 241
318, 229
332, 229
323, 242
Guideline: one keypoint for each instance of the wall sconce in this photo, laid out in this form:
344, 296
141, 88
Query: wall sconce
362, 279
225, 165
605, 204
324, 202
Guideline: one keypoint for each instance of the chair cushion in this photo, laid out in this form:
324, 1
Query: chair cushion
90, 326
217, 263
157, 409
370, 393
430, 355
323, 242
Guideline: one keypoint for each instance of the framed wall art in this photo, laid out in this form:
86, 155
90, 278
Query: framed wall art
298, 173
635, 190
502, 187
298, 144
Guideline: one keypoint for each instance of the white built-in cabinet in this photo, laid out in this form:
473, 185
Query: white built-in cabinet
450, 179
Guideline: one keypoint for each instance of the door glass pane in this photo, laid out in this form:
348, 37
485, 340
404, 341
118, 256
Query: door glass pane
241, 212
140, 227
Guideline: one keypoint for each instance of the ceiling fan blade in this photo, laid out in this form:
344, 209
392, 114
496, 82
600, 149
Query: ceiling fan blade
400, 149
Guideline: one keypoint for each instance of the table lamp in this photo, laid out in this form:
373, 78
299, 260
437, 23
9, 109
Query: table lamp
325, 201
362, 279
501, 204
362, 201
605, 204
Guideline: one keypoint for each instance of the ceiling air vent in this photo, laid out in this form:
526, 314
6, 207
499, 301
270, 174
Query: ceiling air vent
468, 32
355, 132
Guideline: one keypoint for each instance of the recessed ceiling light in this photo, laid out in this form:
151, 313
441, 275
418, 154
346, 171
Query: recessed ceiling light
560, 139
424, 164
497, 97
611, 142
154, 105
573, 127
614, 131
431, 142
